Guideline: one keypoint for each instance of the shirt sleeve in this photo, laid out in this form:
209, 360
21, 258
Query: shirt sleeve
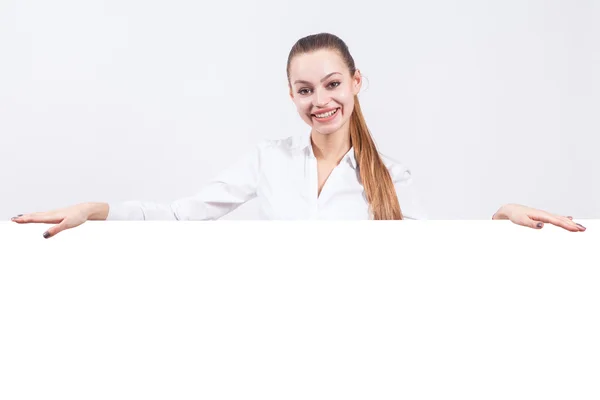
221, 195
408, 197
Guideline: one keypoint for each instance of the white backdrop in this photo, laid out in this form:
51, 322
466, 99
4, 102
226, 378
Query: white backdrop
113, 100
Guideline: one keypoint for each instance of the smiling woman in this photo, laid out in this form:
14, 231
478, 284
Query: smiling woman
336, 172
325, 86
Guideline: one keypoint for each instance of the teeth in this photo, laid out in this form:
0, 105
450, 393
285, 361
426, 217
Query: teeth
327, 114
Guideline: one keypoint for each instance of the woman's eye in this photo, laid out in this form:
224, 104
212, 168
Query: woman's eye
335, 84
303, 91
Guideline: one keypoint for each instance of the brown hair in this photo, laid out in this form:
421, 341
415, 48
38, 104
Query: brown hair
374, 175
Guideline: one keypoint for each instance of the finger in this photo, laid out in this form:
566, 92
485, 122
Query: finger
557, 221
581, 227
54, 230
529, 222
47, 218
571, 222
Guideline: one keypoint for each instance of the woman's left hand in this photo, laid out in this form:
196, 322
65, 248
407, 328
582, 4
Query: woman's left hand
533, 218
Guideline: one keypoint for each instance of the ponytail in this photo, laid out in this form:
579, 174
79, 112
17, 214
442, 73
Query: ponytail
374, 175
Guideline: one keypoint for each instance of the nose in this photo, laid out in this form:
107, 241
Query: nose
321, 98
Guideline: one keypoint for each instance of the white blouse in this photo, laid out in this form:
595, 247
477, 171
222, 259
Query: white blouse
282, 175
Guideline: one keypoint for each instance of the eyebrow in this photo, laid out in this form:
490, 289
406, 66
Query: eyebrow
325, 78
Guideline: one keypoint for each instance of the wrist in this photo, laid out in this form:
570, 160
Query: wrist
501, 213
96, 211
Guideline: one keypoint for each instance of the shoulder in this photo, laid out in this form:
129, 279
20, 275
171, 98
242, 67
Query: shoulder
399, 172
410, 201
284, 145
275, 142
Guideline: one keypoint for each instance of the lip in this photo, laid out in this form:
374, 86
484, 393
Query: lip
326, 120
325, 110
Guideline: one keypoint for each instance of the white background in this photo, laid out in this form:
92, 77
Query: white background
486, 102
288, 310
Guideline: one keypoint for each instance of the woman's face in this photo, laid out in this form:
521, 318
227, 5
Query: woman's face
323, 90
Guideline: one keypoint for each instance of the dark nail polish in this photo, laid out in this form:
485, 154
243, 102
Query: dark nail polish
539, 225
46, 235
20, 215
581, 226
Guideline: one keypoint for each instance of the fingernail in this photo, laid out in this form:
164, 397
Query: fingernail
20, 215
46, 235
581, 226
539, 225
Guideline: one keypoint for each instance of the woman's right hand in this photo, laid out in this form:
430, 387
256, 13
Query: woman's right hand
65, 218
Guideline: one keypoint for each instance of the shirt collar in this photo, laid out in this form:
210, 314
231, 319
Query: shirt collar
303, 143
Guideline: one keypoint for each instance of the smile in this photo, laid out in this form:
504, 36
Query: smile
326, 115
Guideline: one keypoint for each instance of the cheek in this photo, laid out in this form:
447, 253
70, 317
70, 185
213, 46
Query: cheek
345, 97
303, 104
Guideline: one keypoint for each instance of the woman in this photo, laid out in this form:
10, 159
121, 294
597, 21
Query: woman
335, 173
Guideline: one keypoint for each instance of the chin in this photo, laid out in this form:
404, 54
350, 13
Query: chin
328, 130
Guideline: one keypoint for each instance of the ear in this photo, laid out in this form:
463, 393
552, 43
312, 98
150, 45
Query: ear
356, 82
